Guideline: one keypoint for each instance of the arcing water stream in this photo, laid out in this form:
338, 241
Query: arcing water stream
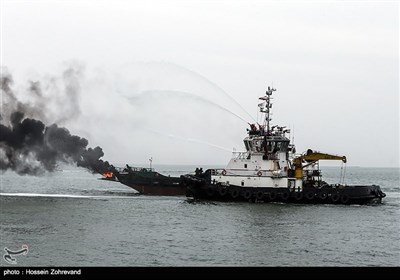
181, 94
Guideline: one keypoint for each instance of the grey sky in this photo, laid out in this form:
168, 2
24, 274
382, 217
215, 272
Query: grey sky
155, 74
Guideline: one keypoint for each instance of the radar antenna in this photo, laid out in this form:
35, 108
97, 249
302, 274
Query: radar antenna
268, 106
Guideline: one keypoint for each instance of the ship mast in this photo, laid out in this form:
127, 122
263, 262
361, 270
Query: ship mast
267, 108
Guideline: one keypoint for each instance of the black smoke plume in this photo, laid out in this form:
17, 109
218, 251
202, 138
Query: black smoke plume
28, 146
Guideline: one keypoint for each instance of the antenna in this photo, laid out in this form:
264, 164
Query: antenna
267, 99
293, 136
151, 160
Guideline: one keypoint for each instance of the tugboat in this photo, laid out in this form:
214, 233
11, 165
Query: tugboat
269, 170
146, 180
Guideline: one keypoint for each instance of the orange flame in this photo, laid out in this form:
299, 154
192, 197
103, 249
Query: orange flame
108, 174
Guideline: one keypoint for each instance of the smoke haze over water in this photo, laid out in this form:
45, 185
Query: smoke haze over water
28, 145
93, 103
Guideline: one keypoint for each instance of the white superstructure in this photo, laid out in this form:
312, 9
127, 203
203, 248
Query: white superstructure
267, 159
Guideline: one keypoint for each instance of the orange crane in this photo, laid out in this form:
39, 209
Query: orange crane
310, 158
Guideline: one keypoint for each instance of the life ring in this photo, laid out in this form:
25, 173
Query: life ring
247, 194
223, 172
234, 193
298, 196
259, 173
345, 198
222, 191
260, 195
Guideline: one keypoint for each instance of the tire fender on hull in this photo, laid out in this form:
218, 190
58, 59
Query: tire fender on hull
210, 191
222, 191
298, 196
323, 195
272, 195
344, 198
335, 197
247, 194
285, 195
310, 195
234, 192
259, 195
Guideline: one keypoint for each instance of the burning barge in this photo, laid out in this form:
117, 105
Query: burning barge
146, 180
269, 170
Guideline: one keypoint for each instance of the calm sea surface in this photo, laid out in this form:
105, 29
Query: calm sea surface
70, 218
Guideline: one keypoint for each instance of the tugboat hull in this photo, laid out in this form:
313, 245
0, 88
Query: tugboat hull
199, 188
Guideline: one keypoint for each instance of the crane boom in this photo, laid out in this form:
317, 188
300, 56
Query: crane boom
314, 156
311, 157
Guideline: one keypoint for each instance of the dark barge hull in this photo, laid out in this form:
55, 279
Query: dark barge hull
152, 183
198, 188
157, 189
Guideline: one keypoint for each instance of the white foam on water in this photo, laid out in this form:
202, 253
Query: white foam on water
61, 195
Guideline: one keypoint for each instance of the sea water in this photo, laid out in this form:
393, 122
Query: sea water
71, 218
